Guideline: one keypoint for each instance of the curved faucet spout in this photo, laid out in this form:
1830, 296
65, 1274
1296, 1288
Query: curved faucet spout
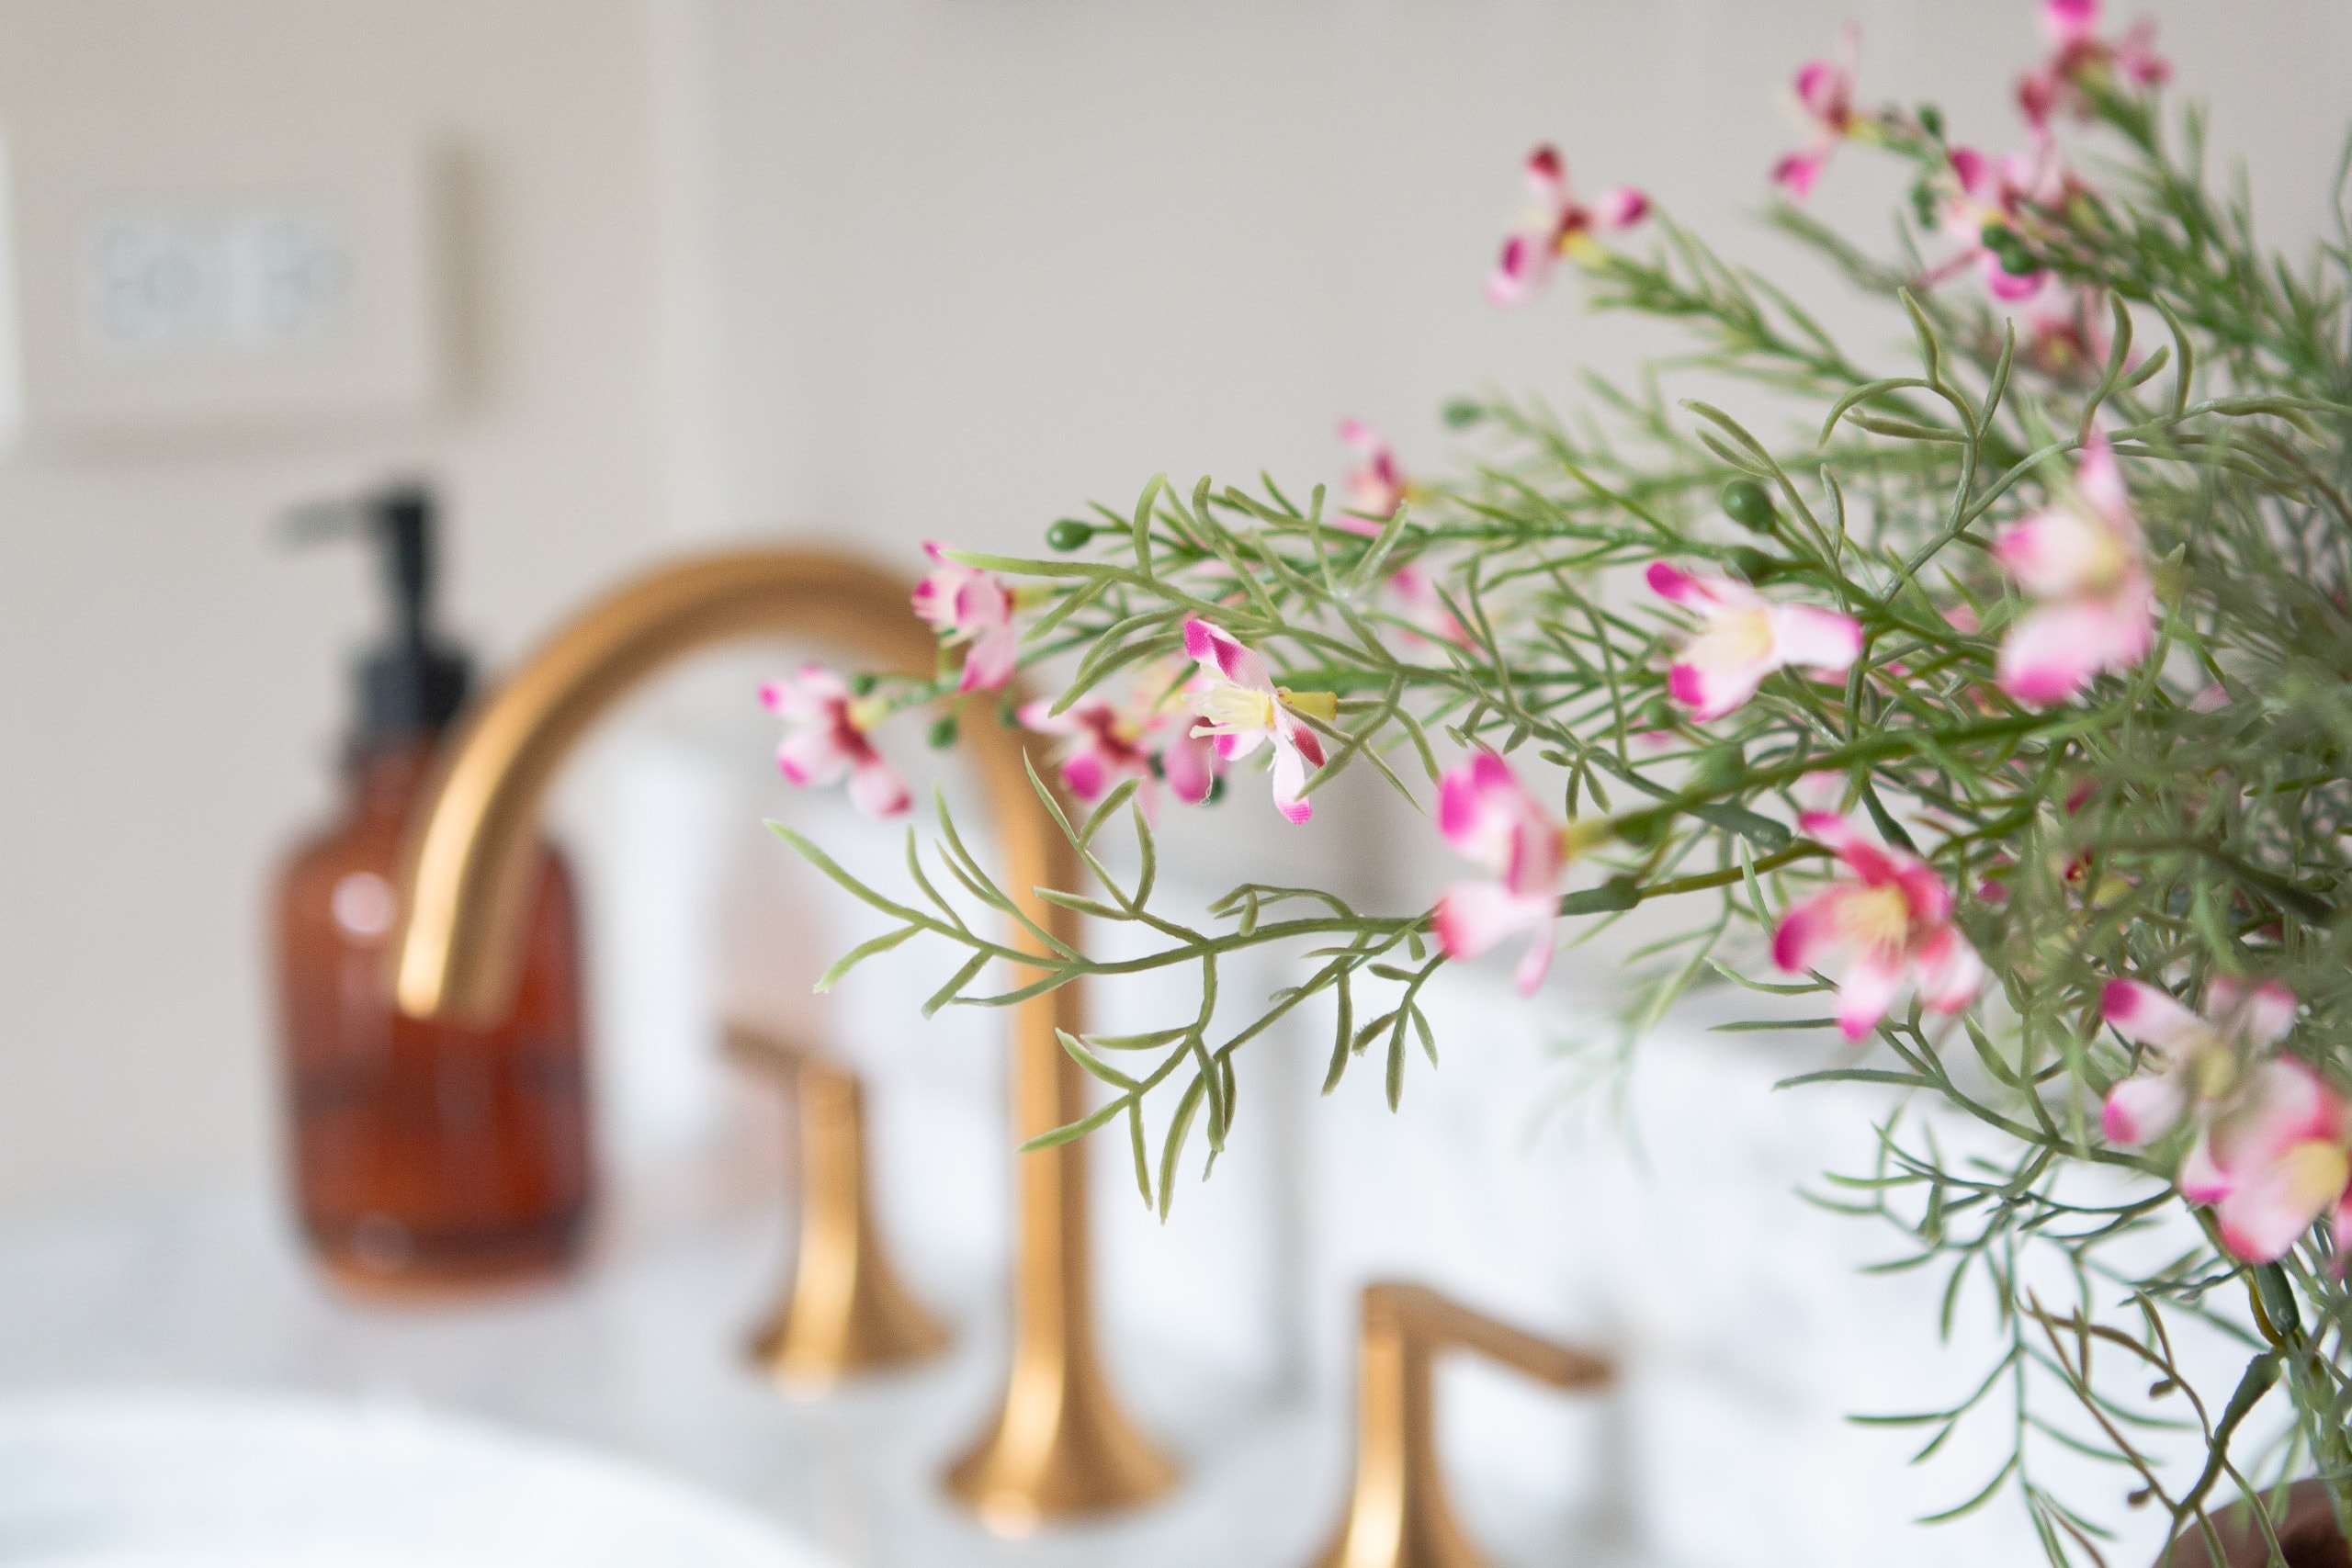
470, 862
1061, 1445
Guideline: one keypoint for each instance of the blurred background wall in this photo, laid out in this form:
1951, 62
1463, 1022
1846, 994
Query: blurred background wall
172, 685
874, 273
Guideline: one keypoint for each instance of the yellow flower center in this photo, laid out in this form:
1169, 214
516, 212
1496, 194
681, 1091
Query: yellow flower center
2213, 1067
1242, 710
2314, 1172
1237, 709
1735, 640
865, 713
2104, 567
1874, 917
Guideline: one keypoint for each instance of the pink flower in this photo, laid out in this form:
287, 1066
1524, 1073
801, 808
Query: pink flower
1414, 593
1484, 812
1825, 90
1892, 920
1745, 638
968, 605
1242, 706
2078, 55
2194, 1060
1146, 737
2084, 562
1375, 490
2066, 332
1558, 225
1820, 790
824, 739
1989, 192
2272, 1161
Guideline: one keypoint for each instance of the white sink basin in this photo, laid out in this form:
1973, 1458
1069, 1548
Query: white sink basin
198, 1480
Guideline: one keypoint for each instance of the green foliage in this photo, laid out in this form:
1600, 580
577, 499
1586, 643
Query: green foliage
2185, 821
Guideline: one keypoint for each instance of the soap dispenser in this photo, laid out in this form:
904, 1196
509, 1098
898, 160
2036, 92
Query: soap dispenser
426, 1157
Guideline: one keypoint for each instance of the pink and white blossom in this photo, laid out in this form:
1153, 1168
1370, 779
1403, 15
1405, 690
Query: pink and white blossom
1988, 192
1559, 225
825, 740
1146, 736
1241, 708
1490, 816
2078, 55
1376, 487
1821, 790
1375, 490
1413, 592
2085, 565
1745, 638
1825, 97
2067, 333
1893, 921
968, 605
2193, 1061
2273, 1160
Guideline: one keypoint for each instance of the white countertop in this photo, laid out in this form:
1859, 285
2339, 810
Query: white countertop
639, 1356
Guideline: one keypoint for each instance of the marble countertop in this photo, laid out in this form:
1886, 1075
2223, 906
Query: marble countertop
640, 1356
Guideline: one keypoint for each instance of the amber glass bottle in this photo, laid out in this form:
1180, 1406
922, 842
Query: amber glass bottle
427, 1157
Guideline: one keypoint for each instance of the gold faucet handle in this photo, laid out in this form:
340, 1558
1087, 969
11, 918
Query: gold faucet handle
1398, 1516
765, 1051
832, 1108
1433, 1322
848, 1312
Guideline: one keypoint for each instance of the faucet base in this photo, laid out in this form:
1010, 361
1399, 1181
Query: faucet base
849, 1313
1059, 1450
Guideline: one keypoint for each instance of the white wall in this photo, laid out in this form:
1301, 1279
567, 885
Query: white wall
886, 271
171, 683
979, 263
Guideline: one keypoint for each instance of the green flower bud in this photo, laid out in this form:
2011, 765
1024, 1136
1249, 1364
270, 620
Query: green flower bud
1931, 120
1754, 566
1923, 205
1640, 830
1462, 414
1719, 765
1745, 503
1068, 534
943, 732
2003, 242
861, 684
1216, 790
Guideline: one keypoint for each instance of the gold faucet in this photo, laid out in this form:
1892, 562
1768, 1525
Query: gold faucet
1398, 1516
848, 1312
1060, 1443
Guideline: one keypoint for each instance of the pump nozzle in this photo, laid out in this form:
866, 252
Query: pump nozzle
409, 683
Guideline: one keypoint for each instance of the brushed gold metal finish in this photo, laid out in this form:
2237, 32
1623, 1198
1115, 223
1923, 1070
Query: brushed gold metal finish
1397, 1514
847, 1311
1061, 1444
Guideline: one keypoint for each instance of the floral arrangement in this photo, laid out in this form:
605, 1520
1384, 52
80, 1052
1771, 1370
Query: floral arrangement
2004, 702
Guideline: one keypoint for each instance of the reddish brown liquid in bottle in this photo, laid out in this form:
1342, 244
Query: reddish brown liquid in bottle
426, 1157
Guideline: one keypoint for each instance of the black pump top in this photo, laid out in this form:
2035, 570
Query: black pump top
410, 685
